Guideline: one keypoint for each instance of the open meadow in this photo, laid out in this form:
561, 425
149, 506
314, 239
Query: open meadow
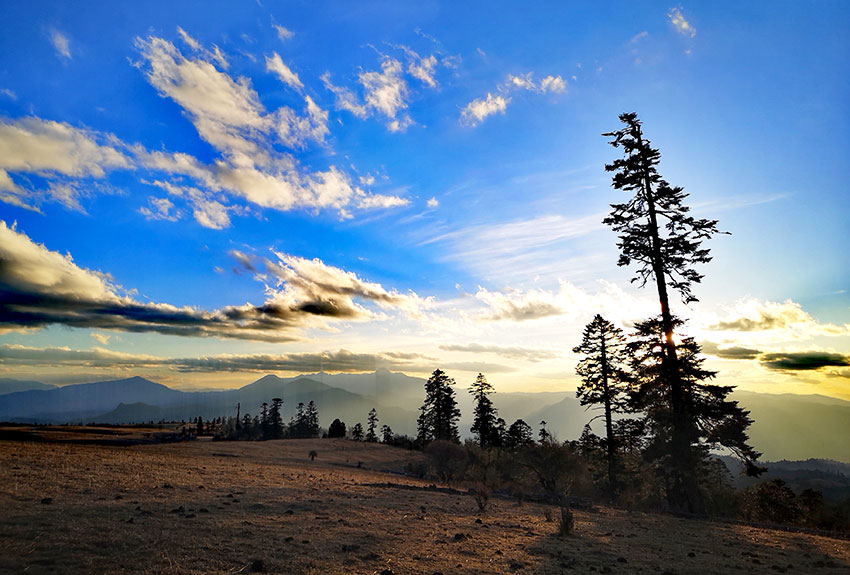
244, 507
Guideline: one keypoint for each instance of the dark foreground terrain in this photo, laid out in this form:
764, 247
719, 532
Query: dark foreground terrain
206, 507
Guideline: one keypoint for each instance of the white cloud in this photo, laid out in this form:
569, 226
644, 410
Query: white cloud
423, 69
767, 320
385, 91
225, 112
313, 283
60, 44
283, 33
275, 64
522, 82
207, 210
432, 203
295, 131
44, 147
188, 40
554, 84
345, 98
8, 93
58, 152
160, 209
478, 110
101, 338
228, 114
381, 201
679, 22
611, 301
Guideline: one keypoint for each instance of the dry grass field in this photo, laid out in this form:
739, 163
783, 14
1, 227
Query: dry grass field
212, 507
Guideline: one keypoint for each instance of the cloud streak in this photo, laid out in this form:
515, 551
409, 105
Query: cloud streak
40, 287
340, 361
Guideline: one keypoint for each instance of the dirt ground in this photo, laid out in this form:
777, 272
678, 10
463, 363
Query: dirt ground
207, 507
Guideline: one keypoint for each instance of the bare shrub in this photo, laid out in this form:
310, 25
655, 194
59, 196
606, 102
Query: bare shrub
447, 460
567, 523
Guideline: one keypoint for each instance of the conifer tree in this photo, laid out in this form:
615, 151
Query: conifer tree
357, 432
275, 420
658, 234
311, 420
715, 421
484, 425
604, 380
372, 426
439, 413
337, 429
519, 434
387, 434
264, 420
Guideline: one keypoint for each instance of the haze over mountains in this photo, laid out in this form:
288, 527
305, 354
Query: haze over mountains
785, 426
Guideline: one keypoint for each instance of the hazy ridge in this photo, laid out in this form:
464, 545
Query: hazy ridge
792, 427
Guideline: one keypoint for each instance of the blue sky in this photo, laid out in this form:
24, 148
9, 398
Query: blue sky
354, 185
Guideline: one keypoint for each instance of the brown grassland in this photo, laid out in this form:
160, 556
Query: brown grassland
227, 507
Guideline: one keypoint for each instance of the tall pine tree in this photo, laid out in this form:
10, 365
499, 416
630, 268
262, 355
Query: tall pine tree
658, 235
372, 426
484, 424
439, 413
604, 380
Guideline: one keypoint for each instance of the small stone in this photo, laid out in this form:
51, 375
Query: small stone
47, 501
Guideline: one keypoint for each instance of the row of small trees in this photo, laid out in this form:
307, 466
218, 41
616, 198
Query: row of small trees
268, 424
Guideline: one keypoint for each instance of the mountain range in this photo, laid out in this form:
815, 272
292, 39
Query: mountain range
785, 426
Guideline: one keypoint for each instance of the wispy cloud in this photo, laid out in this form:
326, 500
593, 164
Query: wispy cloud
339, 361
283, 33
60, 44
680, 24
387, 92
520, 353
480, 109
523, 248
275, 64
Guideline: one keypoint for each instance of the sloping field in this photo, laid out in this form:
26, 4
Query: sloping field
226, 508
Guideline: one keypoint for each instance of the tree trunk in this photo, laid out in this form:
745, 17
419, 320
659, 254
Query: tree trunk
684, 493
609, 428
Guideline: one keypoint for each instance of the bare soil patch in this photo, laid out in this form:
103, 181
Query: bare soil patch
220, 507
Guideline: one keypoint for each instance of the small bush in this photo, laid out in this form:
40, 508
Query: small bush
447, 460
